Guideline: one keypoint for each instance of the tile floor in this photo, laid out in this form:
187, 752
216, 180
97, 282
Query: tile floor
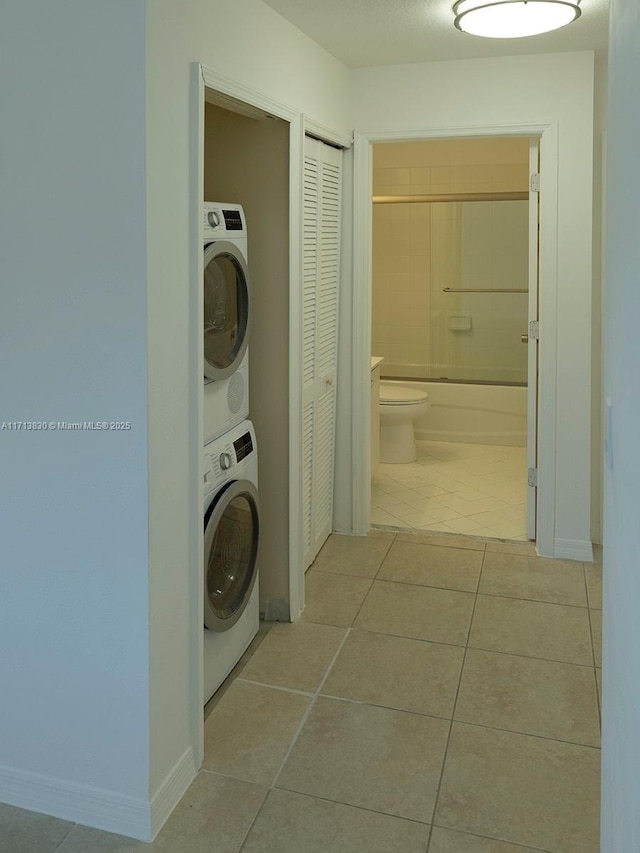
440, 695
476, 489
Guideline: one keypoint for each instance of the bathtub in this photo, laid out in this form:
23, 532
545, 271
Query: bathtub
472, 414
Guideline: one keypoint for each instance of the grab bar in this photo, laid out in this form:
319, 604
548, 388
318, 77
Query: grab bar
484, 290
431, 198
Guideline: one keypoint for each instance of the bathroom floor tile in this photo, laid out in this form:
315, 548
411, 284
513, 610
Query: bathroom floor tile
294, 655
248, 734
396, 672
432, 565
376, 758
333, 599
296, 823
532, 628
22, 831
422, 613
353, 555
522, 789
458, 482
537, 697
451, 841
517, 576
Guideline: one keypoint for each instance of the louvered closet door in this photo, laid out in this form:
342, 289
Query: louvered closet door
322, 206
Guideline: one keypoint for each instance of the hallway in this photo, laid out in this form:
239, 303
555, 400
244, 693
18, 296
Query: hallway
440, 695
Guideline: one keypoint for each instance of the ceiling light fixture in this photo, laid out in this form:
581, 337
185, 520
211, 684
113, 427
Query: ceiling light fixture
510, 19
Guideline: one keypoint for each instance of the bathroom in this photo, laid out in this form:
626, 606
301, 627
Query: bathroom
451, 272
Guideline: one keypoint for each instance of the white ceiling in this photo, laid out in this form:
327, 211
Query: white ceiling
388, 32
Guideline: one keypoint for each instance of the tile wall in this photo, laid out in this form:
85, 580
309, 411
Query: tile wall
418, 249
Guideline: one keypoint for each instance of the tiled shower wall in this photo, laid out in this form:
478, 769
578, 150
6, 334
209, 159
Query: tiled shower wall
418, 249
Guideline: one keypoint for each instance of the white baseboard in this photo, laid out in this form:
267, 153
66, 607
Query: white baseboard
573, 549
169, 794
93, 807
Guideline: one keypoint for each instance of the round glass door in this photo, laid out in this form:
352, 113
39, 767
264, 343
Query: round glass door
231, 535
226, 309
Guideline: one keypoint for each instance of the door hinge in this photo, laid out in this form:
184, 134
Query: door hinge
532, 477
534, 330
535, 183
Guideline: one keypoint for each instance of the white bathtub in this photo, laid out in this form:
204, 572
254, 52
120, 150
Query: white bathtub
472, 414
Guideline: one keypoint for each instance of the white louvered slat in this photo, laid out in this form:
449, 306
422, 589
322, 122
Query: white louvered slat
321, 268
307, 475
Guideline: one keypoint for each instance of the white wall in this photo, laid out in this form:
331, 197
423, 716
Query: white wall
73, 600
621, 663
510, 91
98, 528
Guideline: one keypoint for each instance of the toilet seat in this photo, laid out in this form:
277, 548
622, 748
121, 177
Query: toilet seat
398, 395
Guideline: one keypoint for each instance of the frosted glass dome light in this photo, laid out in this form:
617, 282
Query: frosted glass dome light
510, 19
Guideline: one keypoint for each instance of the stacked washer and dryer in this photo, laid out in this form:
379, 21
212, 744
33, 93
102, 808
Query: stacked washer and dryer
230, 459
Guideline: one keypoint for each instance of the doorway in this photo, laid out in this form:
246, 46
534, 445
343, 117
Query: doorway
454, 284
543, 493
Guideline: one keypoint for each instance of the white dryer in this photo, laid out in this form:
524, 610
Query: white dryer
227, 318
231, 540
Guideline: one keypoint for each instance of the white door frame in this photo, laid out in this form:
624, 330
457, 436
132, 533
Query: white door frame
202, 77
361, 331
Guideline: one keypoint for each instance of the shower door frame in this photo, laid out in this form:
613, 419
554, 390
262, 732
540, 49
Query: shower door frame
547, 134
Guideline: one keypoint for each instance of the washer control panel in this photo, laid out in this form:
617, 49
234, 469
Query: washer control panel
224, 454
219, 218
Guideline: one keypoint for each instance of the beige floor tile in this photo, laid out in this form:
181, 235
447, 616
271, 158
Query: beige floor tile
531, 628
451, 841
410, 675
295, 655
377, 758
444, 541
593, 575
526, 790
296, 823
215, 814
432, 565
516, 576
353, 555
23, 831
423, 613
596, 635
248, 734
527, 549
537, 697
382, 518
333, 599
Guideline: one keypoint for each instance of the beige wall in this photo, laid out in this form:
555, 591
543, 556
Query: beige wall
236, 150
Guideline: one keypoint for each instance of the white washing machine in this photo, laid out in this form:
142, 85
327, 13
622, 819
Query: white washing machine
231, 540
227, 318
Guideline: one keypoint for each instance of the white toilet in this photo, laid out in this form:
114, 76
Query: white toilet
399, 407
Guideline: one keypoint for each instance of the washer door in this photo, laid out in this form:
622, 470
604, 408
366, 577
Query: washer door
226, 309
231, 535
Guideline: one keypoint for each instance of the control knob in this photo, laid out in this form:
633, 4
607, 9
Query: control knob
213, 218
225, 461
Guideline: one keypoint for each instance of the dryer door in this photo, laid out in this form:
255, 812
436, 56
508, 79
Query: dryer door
231, 536
226, 309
